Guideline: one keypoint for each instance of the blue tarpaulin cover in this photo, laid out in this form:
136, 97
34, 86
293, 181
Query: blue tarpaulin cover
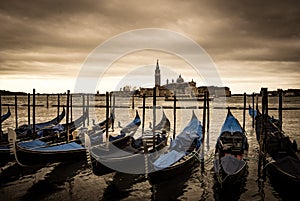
231, 124
179, 145
32, 144
62, 147
168, 159
252, 112
40, 145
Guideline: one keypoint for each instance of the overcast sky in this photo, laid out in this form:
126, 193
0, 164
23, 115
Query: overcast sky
253, 43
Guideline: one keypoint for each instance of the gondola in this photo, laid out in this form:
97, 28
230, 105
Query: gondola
129, 129
282, 154
278, 144
231, 151
95, 134
5, 116
55, 147
4, 147
58, 132
47, 136
127, 154
181, 156
26, 131
285, 171
37, 152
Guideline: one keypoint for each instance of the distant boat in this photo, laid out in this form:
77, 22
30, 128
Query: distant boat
231, 149
182, 155
187, 98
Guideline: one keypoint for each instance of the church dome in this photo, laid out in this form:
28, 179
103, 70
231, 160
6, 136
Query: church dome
180, 79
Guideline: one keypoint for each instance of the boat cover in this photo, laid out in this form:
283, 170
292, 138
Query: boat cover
32, 144
62, 147
289, 165
231, 124
40, 145
231, 165
5, 116
251, 111
191, 132
168, 159
179, 146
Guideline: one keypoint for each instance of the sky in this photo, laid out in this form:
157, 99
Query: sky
45, 44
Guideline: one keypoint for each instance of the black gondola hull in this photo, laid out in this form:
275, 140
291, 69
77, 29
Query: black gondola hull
34, 157
187, 163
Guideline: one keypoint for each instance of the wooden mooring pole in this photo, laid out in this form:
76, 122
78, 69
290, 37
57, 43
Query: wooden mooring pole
244, 111
154, 116
208, 121
71, 106
174, 114
28, 108
83, 108
58, 106
113, 111
107, 115
263, 135
280, 108
67, 115
132, 99
88, 109
16, 110
256, 104
33, 114
253, 110
143, 120
203, 131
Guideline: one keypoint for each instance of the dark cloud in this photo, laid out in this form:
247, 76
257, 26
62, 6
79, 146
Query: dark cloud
40, 33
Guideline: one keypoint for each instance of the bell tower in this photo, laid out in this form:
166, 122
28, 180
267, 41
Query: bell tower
157, 75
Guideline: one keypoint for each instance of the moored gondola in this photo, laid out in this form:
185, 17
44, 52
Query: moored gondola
54, 147
127, 154
26, 131
5, 116
182, 155
231, 151
283, 155
37, 152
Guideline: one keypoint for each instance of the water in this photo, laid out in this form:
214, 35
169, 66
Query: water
76, 181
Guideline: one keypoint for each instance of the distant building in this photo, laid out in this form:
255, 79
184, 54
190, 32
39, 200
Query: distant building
157, 75
181, 88
288, 92
214, 91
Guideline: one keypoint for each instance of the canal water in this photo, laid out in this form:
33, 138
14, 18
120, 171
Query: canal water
76, 181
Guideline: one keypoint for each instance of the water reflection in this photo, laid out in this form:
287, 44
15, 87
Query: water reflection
12, 171
54, 180
230, 192
121, 185
173, 188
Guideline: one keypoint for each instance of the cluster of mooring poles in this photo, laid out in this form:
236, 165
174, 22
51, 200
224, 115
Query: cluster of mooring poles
263, 129
32, 105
